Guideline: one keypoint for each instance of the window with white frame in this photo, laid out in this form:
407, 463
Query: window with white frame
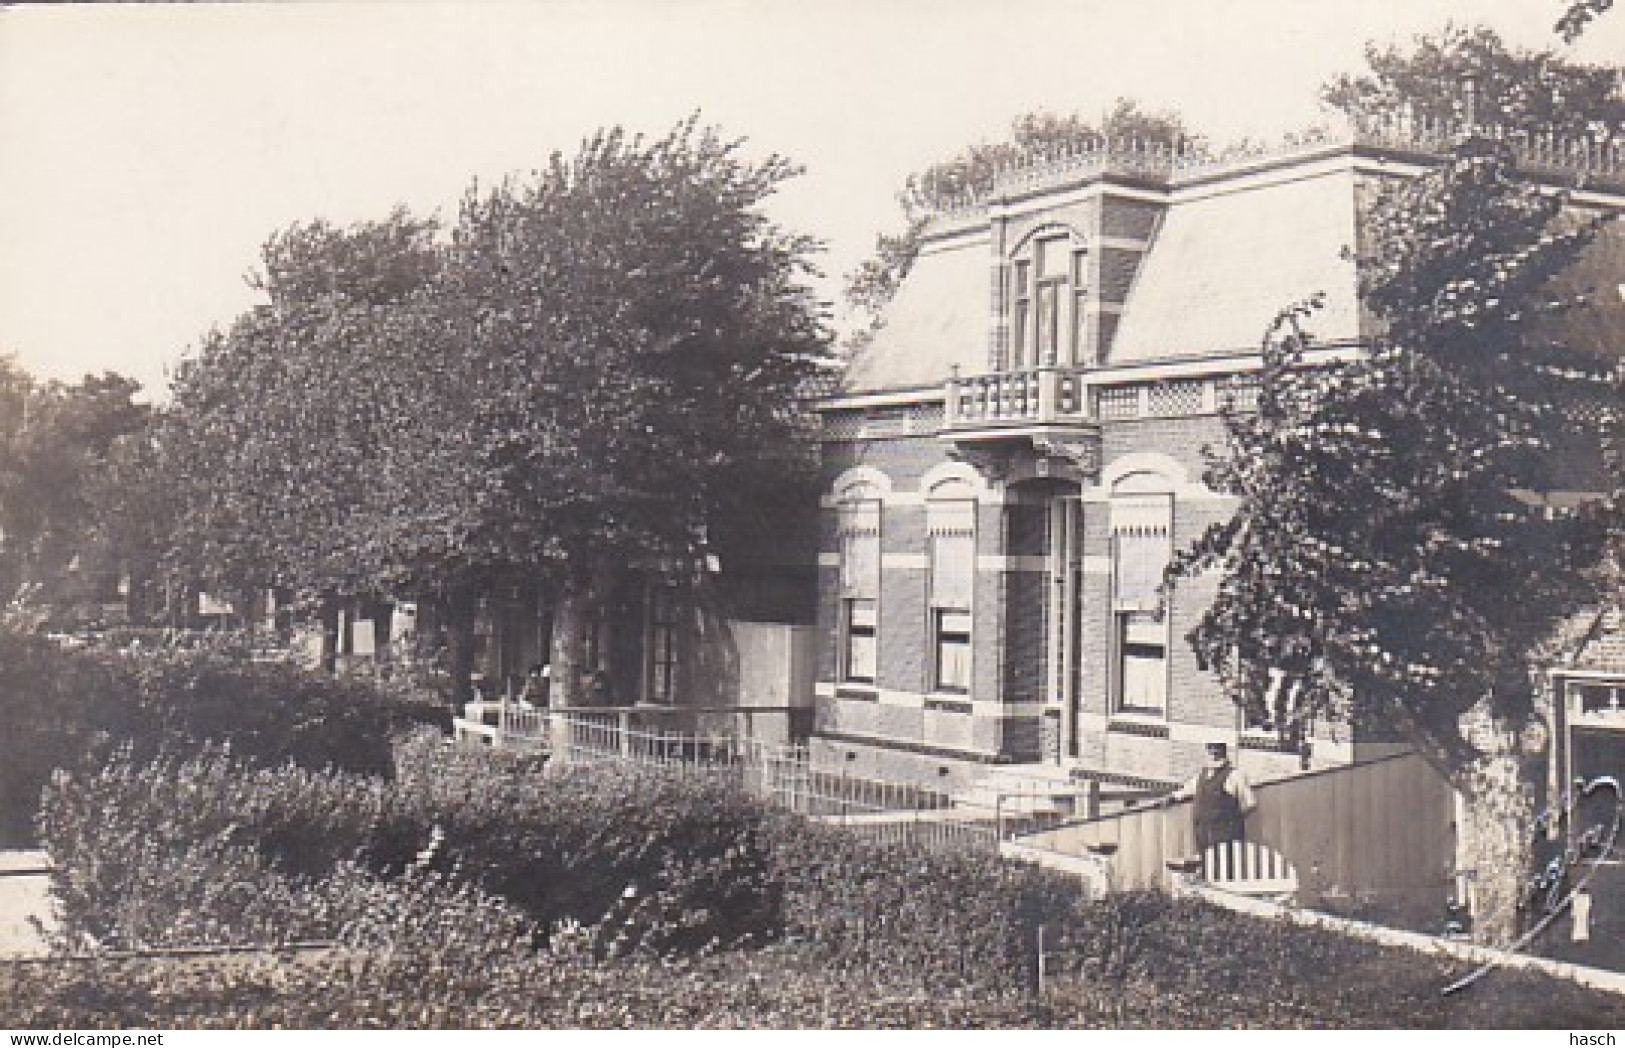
860, 588
1047, 301
1142, 545
951, 526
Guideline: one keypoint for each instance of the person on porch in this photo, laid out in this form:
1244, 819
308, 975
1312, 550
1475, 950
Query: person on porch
1220, 796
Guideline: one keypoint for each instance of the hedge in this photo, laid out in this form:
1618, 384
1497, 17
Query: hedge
454, 962
61, 707
478, 888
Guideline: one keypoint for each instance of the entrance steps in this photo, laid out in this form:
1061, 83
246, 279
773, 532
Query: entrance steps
1068, 791
1026, 789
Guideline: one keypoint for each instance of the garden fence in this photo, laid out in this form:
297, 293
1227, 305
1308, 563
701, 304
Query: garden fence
747, 743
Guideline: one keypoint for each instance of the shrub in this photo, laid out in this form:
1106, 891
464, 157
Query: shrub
676, 858
269, 711
914, 915
199, 850
59, 704
50, 704
674, 862
462, 970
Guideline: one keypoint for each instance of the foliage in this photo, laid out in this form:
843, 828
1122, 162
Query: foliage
676, 861
665, 862
437, 921
937, 920
648, 335
970, 175
601, 362
1376, 550
1577, 15
267, 711
62, 706
1521, 91
439, 957
1384, 564
57, 445
50, 704
277, 446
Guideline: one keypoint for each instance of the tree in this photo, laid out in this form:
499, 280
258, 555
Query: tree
1523, 92
1378, 558
56, 441
971, 175
602, 360
1578, 14
281, 443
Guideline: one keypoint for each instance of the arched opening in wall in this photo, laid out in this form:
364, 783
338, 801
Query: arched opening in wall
1044, 541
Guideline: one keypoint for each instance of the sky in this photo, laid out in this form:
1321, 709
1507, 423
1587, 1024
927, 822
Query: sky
147, 151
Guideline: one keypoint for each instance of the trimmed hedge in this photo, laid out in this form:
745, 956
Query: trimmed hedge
917, 916
679, 857
677, 862
61, 707
203, 850
454, 890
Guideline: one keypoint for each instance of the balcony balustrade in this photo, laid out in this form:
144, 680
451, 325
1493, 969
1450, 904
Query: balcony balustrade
1046, 396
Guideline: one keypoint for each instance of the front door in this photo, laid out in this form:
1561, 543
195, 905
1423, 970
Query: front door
1062, 565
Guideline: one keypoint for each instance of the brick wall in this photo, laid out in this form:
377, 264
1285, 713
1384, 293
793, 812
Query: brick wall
1128, 218
1116, 273
1181, 439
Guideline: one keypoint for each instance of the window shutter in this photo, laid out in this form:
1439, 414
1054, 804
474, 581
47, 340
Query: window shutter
952, 528
1142, 539
860, 549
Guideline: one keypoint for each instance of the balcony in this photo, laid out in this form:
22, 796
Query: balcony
1045, 397
1034, 420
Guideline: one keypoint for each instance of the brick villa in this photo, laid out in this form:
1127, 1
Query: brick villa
1013, 459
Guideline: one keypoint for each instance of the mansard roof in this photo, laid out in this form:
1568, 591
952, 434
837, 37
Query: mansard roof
938, 320
1224, 263
1239, 238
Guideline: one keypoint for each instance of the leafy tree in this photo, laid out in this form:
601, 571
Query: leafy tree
1577, 15
1378, 557
1522, 91
971, 175
58, 439
281, 442
602, 361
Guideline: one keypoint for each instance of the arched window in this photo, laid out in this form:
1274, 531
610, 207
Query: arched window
858, 531
1142, 511
1046, 299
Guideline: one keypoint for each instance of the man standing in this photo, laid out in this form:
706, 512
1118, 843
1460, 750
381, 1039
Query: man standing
1221, 797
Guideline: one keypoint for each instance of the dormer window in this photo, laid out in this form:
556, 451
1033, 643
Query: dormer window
1047, 279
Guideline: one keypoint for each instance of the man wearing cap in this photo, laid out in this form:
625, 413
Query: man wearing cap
1221, 797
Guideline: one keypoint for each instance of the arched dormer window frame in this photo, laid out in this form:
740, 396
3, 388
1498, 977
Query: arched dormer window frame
1048, 288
